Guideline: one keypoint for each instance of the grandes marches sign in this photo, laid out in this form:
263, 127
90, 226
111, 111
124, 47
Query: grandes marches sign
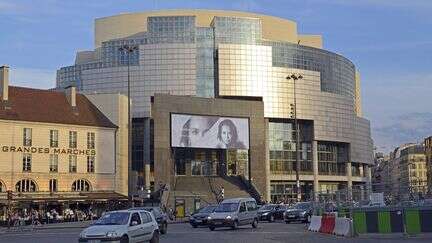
41, 150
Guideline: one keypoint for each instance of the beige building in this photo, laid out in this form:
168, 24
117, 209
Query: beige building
413, 171
428, 154
62, 146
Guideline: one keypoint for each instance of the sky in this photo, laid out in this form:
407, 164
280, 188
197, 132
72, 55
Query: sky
389, 41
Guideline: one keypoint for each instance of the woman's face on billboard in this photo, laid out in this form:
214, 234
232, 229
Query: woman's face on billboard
196, 129
226, 134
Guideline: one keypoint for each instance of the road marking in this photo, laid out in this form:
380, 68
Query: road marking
236, 232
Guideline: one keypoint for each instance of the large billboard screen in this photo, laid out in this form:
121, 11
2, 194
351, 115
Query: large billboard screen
209, 132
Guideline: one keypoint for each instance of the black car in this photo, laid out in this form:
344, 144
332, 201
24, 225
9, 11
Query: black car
200, 216
160, 216
299, 212
270, 212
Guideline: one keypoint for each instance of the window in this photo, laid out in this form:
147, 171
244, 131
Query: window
251, 206
135, 217
53, 166
27, 158
90, 140
2, 187
26, 185
146, 218
53, 138
72, 139
53, 185
242, 207
27, 137
90, 164
72, 163
80, 186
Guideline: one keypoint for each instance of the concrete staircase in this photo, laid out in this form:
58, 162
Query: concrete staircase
208, 188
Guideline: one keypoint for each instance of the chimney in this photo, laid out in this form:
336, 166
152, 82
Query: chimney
4, 83
71, 95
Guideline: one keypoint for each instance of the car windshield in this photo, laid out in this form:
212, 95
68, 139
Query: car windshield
226, 207
302, 206
208, 209
267, 207
115, 218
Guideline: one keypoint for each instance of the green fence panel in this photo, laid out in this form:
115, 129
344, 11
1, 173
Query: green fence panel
412, 221
342, 213
384, 222
359, 219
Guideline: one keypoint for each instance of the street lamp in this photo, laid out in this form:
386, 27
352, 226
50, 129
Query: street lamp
128, 50
296, 77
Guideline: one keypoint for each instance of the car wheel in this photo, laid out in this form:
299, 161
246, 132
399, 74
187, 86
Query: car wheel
155, 238
255, 223
194, 225
271, 219
235, 225
124, 239
212, 228
164, 228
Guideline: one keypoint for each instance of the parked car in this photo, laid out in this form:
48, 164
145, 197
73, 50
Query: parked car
270, 212
233, 213
122, 226
299, 212
200, 217
160, 216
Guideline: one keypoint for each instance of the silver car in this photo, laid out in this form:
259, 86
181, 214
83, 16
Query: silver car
122, 226
233, 213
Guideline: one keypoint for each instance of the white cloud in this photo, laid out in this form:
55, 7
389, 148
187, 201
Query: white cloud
33, 78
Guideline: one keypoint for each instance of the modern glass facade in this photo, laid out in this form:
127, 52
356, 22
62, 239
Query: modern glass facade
234, 54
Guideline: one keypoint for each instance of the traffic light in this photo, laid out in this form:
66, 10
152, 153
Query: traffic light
9, 195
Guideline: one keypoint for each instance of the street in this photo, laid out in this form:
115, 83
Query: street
266, 232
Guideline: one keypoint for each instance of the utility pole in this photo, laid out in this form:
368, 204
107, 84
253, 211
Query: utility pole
296, 77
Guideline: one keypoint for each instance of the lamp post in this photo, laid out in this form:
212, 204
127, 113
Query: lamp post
296, 77
129, 50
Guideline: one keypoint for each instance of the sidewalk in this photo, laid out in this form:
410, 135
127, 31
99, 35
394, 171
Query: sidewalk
71, 225
179, 220
394, 236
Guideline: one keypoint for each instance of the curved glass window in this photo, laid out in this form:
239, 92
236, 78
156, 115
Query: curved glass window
2, 187
81, 186
26, 185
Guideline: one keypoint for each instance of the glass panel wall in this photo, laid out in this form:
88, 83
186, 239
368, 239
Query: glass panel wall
282, 146
211, 162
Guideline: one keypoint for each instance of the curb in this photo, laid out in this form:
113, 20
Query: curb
178, 222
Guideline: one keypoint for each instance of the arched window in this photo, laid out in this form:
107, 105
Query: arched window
81, 186
2, 186
26, 185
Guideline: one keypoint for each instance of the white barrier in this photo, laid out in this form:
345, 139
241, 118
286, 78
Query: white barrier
315, 223
343, 227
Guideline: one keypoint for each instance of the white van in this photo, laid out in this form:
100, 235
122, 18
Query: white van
233, 213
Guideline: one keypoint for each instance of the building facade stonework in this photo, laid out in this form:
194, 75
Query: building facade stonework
60, 148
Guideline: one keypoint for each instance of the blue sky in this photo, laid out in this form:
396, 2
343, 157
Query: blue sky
390, 42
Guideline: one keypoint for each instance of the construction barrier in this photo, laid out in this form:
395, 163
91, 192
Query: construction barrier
343, 227
418, 220
327, 224
393, 220
378, 221
315, 223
